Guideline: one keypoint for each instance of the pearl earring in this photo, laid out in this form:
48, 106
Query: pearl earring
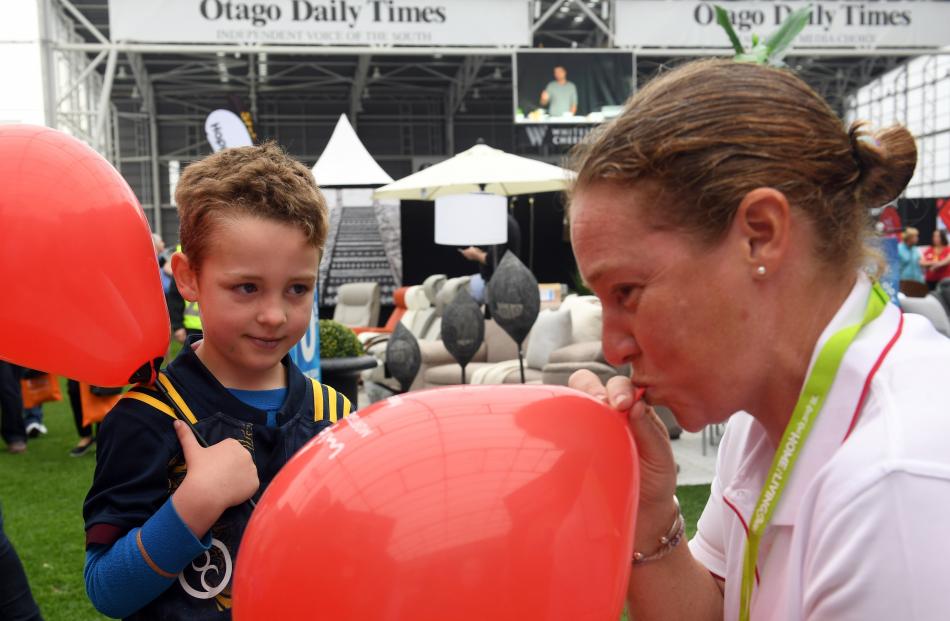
760, 271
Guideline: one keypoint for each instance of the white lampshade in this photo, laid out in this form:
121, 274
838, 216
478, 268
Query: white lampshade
471, 220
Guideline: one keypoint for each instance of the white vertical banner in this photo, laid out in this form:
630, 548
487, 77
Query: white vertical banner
323, 22
306, 353
872, 24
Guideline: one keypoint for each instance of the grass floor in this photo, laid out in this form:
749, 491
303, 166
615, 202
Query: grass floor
42, 493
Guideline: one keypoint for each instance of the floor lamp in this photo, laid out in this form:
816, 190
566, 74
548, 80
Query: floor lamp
468, 220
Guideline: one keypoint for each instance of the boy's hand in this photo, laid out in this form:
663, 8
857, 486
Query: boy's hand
220, 476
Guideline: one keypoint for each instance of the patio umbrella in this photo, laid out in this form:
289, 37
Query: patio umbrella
479, 169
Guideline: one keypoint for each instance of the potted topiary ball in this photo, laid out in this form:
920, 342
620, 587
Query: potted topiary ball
342, 358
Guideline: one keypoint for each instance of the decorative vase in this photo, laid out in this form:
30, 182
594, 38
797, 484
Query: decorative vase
343, 374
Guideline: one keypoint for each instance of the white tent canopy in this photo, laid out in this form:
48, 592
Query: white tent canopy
346, 162
499, 172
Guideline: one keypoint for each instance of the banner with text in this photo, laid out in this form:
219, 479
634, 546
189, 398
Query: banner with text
871, 24
322, 22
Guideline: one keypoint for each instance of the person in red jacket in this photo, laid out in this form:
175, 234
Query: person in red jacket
937, 259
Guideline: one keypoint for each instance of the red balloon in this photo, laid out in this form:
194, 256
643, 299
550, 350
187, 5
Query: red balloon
81, 292
478, 502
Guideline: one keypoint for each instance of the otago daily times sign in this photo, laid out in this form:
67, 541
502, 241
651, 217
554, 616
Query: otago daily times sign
845, 24
322, 22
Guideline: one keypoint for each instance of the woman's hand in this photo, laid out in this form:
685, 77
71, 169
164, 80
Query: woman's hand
657, 468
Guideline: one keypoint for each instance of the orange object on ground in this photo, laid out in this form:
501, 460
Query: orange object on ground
40, 389
95, 408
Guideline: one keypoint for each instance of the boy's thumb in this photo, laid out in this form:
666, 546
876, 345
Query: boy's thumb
189, 444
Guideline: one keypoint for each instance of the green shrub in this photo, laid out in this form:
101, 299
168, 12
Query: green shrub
338, 341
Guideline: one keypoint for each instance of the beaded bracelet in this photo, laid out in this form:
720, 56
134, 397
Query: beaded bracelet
668, 541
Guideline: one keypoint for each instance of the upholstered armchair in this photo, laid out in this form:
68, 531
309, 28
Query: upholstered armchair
357, 304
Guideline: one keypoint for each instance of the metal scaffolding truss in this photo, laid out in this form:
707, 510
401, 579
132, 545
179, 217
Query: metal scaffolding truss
144, 105
77, 84
915, 94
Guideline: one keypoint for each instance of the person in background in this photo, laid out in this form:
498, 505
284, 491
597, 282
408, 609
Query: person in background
12, 425
560, 95
486, 258
910, 256
16, 599
832, 482
936, 259
33, 419
159, 245
33, 416
87, 440
183, 314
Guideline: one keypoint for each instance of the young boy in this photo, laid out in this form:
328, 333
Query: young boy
164, 516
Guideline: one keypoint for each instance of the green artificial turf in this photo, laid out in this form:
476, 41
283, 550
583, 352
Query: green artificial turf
42, 492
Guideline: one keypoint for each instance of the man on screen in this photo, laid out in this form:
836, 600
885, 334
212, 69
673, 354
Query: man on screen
560, 95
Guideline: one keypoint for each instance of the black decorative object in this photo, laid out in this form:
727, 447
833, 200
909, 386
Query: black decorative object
463, 328
514, 300
343, 374
403, 357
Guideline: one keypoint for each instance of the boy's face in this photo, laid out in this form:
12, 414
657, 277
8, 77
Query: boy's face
255, 293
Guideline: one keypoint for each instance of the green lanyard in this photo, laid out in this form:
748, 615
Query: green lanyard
809, 404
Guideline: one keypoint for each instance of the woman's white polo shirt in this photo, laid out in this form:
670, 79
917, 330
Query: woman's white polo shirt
862, 530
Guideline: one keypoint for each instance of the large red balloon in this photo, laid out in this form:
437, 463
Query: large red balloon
489, 502
81, 292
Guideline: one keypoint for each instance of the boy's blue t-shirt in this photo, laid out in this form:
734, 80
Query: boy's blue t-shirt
268, 401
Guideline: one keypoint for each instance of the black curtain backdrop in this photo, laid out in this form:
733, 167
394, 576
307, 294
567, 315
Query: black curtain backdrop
602, 79
552, 256
920, 213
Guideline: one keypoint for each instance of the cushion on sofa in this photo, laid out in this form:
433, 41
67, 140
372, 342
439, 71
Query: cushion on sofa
578, 352
551, 331
586, 319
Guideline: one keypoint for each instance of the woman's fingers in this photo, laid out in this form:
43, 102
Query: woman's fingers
620, 393
586, 382
657, 467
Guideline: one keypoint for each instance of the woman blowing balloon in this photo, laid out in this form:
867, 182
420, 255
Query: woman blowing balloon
721, 220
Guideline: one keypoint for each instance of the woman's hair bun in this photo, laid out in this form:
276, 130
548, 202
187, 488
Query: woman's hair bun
886, 160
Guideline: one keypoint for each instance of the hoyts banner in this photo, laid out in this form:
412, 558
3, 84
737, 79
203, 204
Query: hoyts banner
322, 22
853, 24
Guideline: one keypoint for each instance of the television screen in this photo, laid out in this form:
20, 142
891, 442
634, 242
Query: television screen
571, 87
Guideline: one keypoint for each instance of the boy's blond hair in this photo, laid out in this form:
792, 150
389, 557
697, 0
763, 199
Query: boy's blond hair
261, 181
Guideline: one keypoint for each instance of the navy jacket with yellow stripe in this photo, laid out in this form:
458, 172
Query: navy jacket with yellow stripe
140, 464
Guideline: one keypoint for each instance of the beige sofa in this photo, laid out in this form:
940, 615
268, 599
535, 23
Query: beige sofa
561, 342
555, 349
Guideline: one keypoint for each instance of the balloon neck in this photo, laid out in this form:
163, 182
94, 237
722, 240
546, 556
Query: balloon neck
147, 373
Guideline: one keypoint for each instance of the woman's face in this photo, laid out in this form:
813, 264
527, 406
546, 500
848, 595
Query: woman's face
936, 240
678, 311
912, 239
